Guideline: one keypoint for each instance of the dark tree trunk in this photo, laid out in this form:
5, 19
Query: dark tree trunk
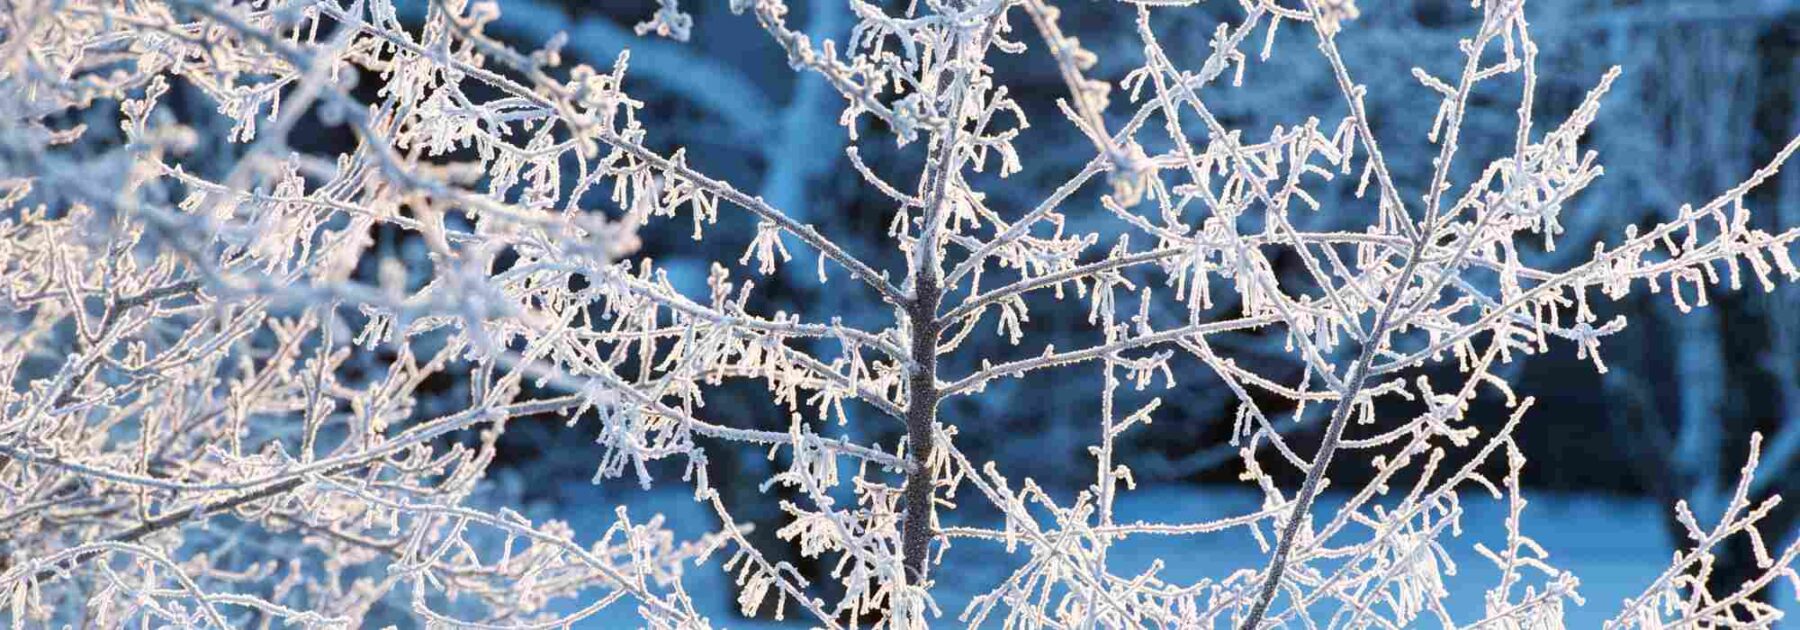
921, 417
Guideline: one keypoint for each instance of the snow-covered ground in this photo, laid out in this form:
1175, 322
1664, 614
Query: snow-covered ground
1616, 546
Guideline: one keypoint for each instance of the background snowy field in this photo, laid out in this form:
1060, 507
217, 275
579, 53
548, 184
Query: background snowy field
1616, 544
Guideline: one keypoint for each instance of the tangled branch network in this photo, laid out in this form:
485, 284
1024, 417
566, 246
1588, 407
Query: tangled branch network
211, 370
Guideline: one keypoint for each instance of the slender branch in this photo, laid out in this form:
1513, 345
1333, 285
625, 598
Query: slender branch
1359, 371
980, 378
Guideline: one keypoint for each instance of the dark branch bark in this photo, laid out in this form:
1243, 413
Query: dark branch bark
921, 417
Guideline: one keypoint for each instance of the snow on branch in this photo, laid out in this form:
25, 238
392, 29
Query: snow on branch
245, 245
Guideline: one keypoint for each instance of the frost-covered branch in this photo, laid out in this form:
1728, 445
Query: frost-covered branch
277, 277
